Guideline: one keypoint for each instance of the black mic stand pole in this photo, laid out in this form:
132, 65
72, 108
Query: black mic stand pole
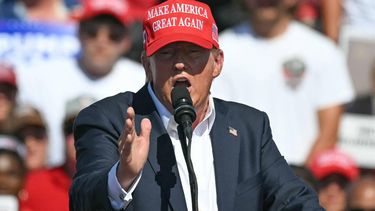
186, 133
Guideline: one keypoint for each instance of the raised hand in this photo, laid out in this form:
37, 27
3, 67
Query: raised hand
133, 149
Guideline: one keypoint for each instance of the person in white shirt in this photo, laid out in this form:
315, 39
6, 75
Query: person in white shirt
100, 70
291, 72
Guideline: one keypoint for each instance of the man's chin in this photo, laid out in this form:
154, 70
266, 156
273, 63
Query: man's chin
99, 69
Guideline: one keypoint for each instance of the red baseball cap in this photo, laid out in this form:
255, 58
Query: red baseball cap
179, 20
7, 74
91, 8
334, 162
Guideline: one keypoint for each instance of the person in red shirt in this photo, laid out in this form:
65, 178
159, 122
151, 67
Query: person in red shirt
47, 189
30, 128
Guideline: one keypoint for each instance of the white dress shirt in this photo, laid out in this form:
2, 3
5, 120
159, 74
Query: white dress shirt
201, 155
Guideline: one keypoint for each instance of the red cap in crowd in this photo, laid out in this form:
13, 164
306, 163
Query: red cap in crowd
334, 162
179, 20
91, 8
7, 74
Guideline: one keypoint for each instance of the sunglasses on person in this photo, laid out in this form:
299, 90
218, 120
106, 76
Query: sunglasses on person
333, 178
116, 33
38, 133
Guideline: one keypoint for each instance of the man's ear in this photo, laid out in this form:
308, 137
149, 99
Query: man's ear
218, 62
146, 65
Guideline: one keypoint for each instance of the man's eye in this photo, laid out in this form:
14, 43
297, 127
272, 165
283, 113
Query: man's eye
195, 51
166, 52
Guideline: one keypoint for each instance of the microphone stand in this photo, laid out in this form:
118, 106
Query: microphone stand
186, 133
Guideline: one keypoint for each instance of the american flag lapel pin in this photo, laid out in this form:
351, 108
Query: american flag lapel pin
232, 131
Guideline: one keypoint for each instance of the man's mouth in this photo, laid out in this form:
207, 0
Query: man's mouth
182, 82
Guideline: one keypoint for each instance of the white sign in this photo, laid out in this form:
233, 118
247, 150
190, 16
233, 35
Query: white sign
357, 137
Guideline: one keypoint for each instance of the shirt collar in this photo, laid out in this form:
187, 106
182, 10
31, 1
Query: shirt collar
171, 125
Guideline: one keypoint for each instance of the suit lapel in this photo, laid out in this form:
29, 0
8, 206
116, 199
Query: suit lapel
161, 156
225, 146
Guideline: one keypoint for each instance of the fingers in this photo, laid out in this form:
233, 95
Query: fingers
133, 149
128, 132
129, 122
145, 128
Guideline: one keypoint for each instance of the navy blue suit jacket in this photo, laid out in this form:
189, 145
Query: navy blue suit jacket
250, 172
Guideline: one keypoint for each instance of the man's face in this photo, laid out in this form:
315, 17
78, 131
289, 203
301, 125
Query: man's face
331, 191
102, 45
185, 64
268, 11
36, 142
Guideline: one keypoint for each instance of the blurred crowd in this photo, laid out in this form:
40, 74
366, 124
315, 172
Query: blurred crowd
281, 56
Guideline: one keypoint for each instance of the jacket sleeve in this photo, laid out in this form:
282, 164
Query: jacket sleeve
97, 151
283, 190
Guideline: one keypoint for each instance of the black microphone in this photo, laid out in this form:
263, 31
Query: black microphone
184, 113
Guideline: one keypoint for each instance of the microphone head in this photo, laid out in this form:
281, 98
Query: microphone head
182, 104
178, 94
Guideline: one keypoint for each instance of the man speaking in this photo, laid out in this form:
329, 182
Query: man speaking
132, 154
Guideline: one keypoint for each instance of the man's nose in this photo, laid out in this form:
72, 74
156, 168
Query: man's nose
180, 66
102, 36
180, 62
